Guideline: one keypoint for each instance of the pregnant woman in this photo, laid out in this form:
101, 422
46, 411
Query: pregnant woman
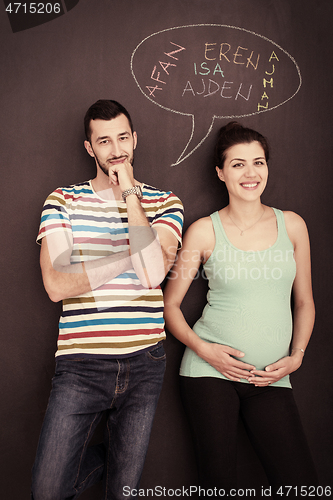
241, 351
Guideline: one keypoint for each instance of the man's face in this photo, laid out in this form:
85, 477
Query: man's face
111, 142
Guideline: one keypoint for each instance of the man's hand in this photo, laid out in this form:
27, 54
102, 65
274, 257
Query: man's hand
121, 174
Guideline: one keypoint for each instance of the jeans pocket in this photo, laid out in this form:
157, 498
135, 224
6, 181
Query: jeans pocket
157, 352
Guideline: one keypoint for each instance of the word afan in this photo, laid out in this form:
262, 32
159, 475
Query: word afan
163, 66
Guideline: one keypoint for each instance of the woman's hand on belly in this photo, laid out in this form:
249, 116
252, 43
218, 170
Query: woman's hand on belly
276, 371
222, 358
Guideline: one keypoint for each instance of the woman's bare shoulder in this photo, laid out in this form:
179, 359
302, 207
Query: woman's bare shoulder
202, 224
293, 220
296, 226
201, 232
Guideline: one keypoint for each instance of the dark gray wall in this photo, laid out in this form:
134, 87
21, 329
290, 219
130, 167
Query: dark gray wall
50, 74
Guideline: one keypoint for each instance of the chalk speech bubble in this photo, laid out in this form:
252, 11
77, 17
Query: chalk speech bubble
210, 71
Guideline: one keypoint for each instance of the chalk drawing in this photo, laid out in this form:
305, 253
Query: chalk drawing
213, 71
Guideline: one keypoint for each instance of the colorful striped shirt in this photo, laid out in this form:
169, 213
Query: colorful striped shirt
120, 317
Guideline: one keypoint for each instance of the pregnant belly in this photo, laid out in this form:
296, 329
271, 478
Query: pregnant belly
262, 346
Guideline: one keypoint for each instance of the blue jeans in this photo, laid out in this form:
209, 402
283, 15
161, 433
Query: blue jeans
127, 389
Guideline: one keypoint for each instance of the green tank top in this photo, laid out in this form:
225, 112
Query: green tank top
248, 302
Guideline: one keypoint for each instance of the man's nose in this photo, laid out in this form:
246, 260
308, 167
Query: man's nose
116, 149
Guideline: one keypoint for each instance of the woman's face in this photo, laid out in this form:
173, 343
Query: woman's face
244, 171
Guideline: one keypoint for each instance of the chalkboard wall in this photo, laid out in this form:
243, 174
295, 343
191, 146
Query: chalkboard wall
183, 68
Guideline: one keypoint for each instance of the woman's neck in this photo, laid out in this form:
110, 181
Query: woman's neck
250, 226
245, 212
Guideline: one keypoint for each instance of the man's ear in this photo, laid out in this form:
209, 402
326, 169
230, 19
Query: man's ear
220, 173
135, 140
88, 147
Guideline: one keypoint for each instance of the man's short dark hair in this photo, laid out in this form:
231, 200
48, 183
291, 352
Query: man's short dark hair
104, 109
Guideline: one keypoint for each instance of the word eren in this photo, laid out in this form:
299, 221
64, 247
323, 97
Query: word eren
236, 58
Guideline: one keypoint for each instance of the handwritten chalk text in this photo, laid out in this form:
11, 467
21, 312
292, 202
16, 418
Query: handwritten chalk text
227, 90
206, 70
268, 82
156, 74
212, 52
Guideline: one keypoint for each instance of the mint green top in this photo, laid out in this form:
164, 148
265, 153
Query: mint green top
248, 302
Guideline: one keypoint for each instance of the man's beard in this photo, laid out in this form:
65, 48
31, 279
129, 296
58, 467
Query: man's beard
106, 166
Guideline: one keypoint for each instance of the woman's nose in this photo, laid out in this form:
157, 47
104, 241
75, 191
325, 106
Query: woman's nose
250, 170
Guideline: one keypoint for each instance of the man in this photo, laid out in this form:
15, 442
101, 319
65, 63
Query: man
106, 245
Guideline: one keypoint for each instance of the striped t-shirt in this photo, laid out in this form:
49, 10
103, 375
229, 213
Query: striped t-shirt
120, 317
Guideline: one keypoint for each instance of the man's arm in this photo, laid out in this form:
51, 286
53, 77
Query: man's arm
63, 280
152, 251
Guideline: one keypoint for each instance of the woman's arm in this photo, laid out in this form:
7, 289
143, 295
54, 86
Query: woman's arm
198, 244
304, 309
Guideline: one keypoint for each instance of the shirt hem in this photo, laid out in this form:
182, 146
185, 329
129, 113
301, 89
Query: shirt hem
107, 356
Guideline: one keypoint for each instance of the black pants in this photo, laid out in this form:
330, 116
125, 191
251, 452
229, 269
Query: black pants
270, 416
